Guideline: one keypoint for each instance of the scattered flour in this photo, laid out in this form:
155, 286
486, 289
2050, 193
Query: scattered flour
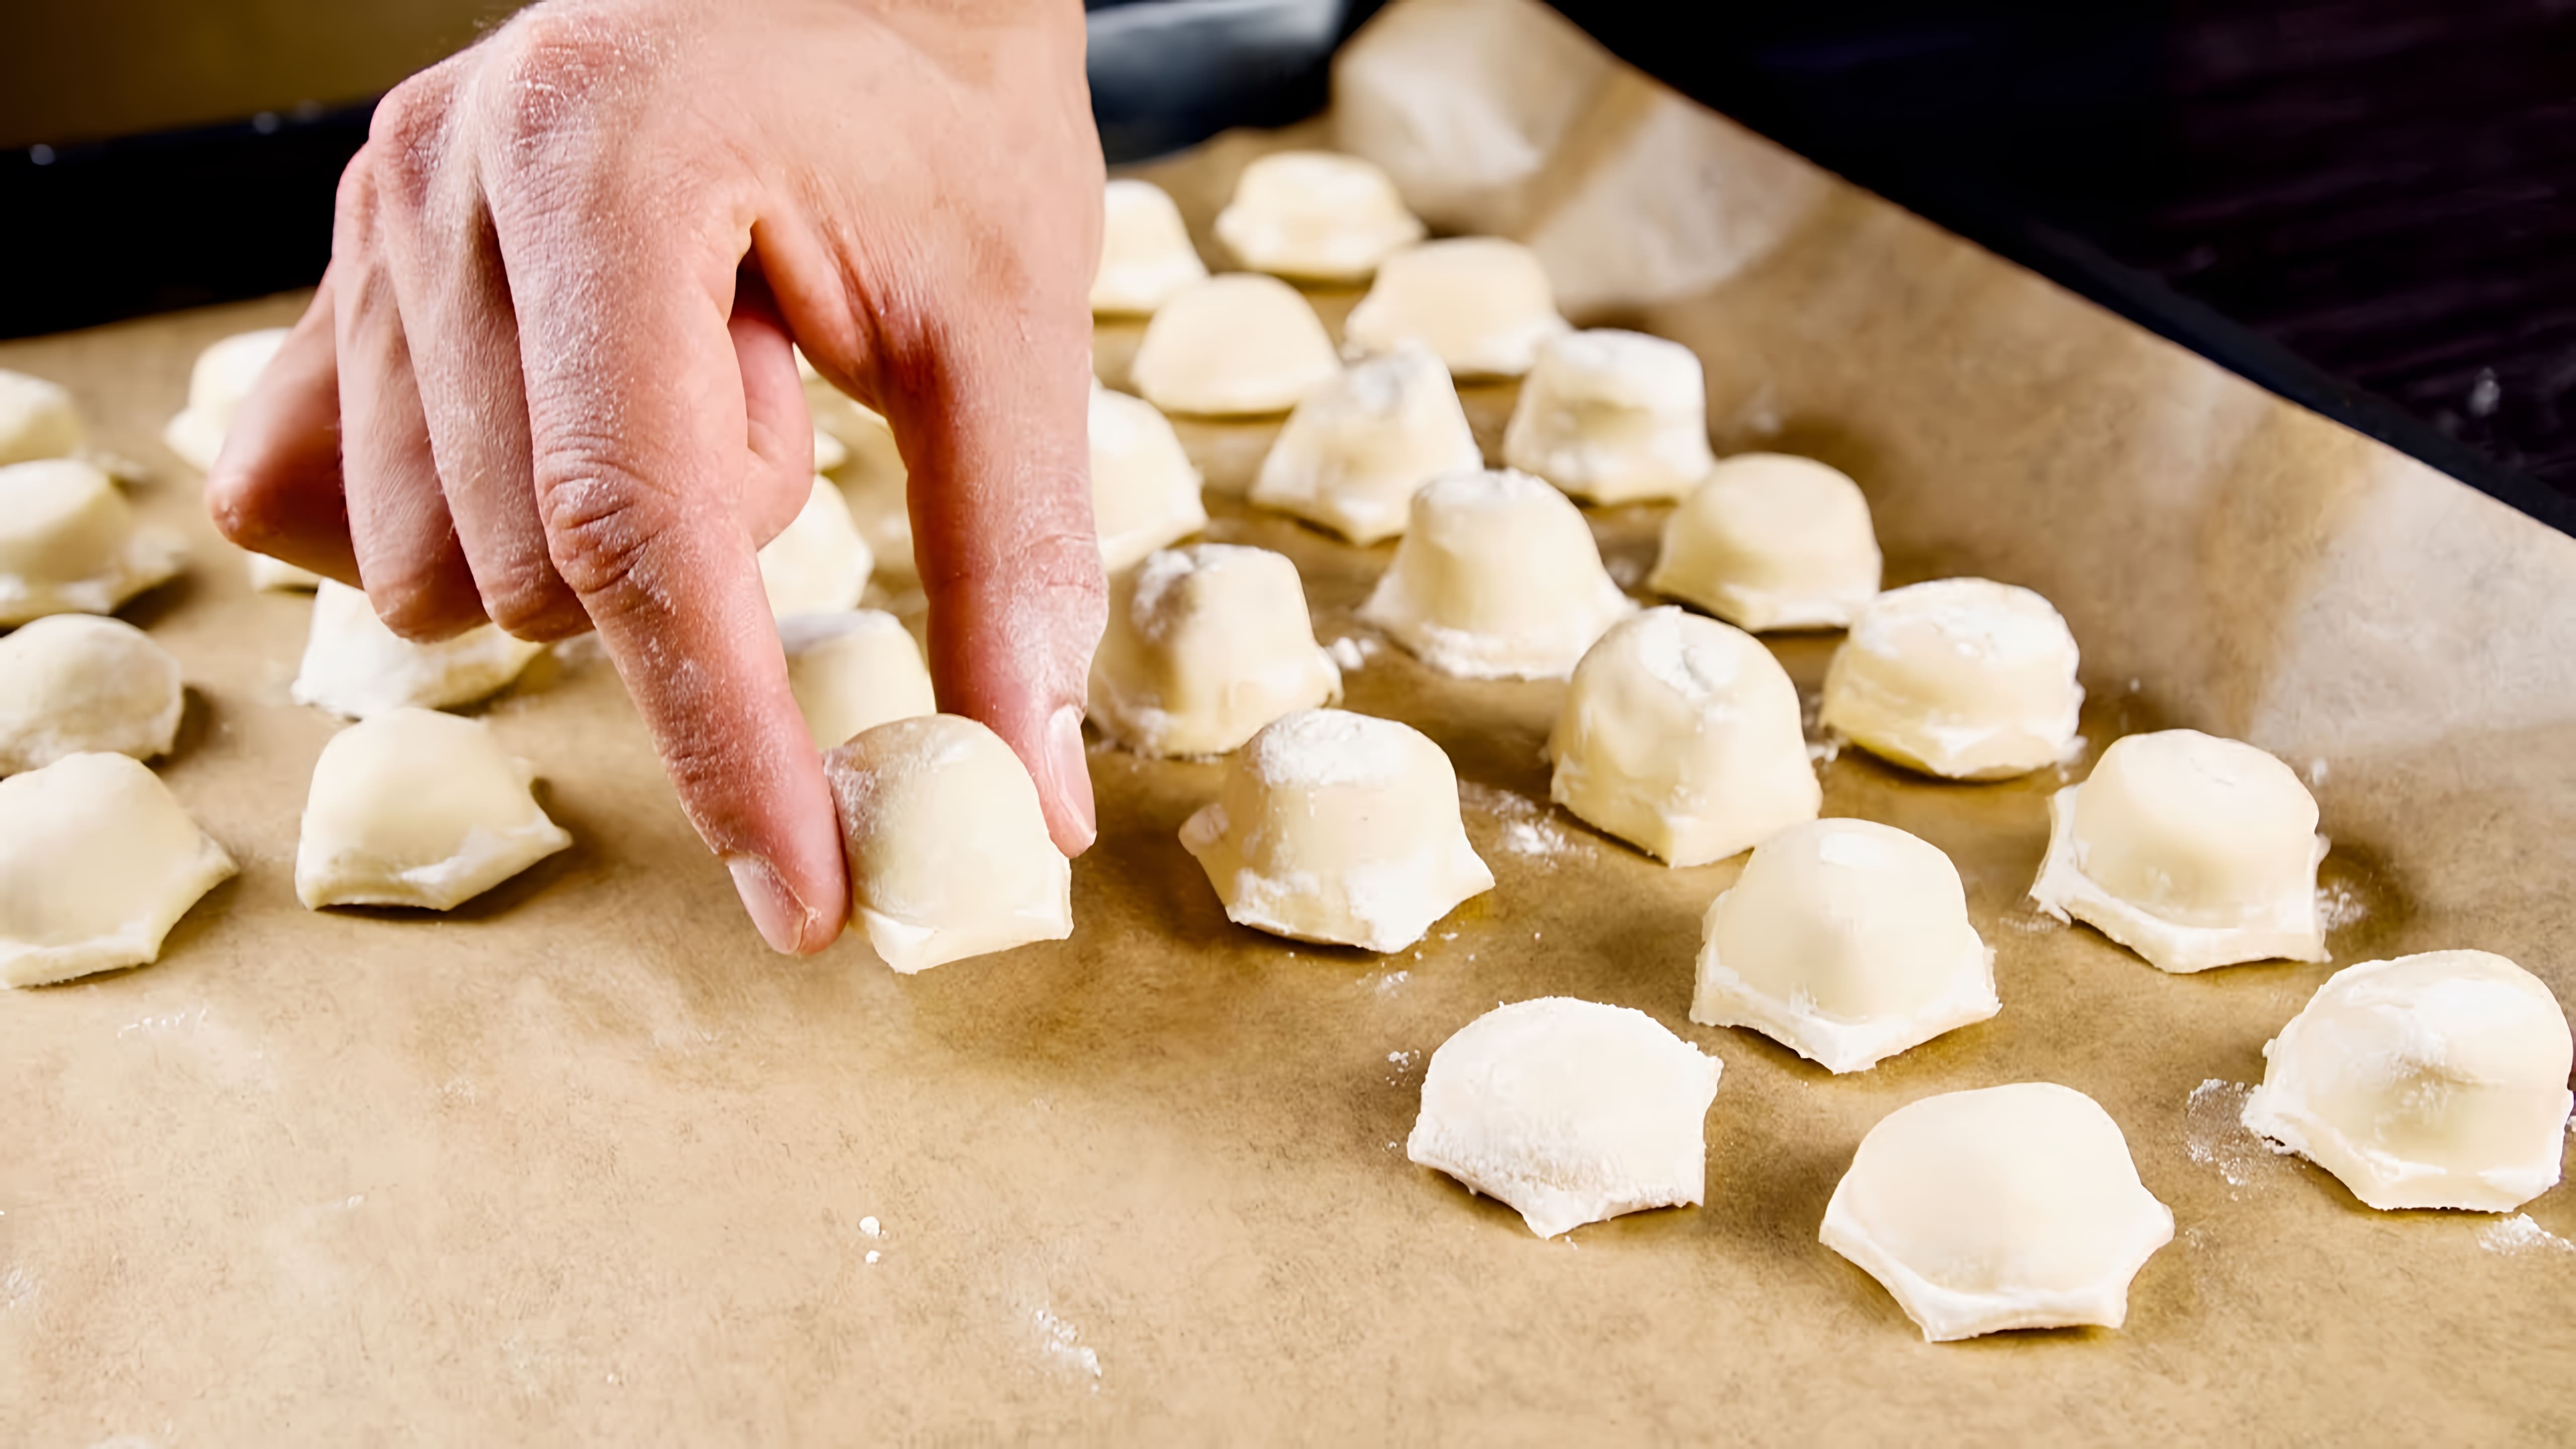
1062, 1344
2338, 907
871, 1227
1528, 829
1625, 571
1353, 652
2317, 773
1390, 983
873, 1255
2215, 1134
2517, 1235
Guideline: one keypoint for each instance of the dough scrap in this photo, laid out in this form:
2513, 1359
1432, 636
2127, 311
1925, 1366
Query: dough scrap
69, 543
818, 563
1235, 345
853, 671
2191, 850
1315, 215
1570, 1111
1613, 417
2008, 1207
2430, 1081
38, 419
357, 668
1205, 645
1771, 541
1144, 489
1356, 450
1481, 304
223, 376
1846, 941
948, 846
1497, 577
97, 863
74, 684
1145, 251
1340, 828
1963, 678
417, 808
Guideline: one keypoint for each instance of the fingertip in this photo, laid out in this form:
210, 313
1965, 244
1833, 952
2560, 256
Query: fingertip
1064, 784
786, 921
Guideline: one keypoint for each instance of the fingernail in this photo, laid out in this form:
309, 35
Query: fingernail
1079, 822
782, 919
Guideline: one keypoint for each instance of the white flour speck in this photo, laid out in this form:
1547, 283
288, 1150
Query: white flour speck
1626, 572
1062, 1343
17, 1285
871, 1227
2029, 922
1528, 831
2215, 1134
1825, 751
1353, 652
2338, 907
2518, 1234
2317, 773
1388, 984
873, 1255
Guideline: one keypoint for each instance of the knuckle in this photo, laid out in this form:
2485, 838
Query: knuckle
601, 522
534, 607
415, 608
408, 132
552, 72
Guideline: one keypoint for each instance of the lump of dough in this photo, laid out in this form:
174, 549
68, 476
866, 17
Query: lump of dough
1846, 941
1315, 215
1358, 448
2431, 1081
872, 480
97, 862
948, 846
277, 574
1964, 678
1340, 828
2010, 1207
224, 375
1570, 1111
417, 808
69, 543
1144, 489
78, 684
1232, 346
1771, 541
1145, 251
818, 563
1613, 417
1479, 303
1497, 577
2192, 851
37, 419
356, 667
852, 671
1206, 645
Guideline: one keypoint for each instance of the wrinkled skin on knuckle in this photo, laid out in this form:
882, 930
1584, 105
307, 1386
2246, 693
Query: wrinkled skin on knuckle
602, 523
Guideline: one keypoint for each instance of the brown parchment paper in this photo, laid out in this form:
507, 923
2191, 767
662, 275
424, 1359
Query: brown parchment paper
581, 1161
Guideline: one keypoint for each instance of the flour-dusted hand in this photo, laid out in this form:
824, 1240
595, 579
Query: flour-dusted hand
547, 381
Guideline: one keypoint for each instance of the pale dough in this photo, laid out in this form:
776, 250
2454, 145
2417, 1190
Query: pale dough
871, 478
356, 667
417, 808
1316, 216
1681, 736
1613, 417
1963, 678
1356, 450
279, 575
2431, 1081
1771, 541
1570, 1111
852, 671
1481, 304
1206, 645
79, 684
38, 419
1846, 941
69, 543
1144, 489
818, 563
97, 862
2010, 1207
1233, 346
1145, 251
224, 375
1497, 577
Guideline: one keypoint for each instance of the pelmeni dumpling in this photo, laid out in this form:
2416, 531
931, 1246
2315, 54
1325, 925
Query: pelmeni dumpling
277, 575
77, 684
38, 419
1771, 541
1358, 448
1682, 737
1144, 489
2009, 1207
948, 847
1233, 346
872, 480
2431, 1081
852, 671
1964, 678
1497, 577
1145, 251
2191, 850
1480, 304
819, 562
356, 667
97, 862
1207, 644
224, 375
1570, 1111
1846, 941
69, 543
1340, 828
1315, 215
1613, 417
417, 808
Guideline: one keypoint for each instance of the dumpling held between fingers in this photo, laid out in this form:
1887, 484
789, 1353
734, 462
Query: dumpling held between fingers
1498, 577
1357, 448
69, 543
97, 863
1613, 417
38, 419
819, 562
1962, 678
222, 379
853, 671
79, 684
357, 668
1205, 645
1771, 541
417, 808
1235, 345
1144, 488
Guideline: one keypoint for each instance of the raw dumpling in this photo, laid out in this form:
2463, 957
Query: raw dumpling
1480, 304
1681, 736
1145, 251
1233, 346
69, 543
1570, 1111
1144, 489
2431, 1081
1206, 645
2192, 851
1358, 448
356, 667
417, 808
872, 480
1964, 678
1771, 541
853, 671
1340, 828
37, 419
818, 563
948, 848
2010, 1207
1497, 577
1315, 215
1613, 417
277, 574
97, 862
77, 684
224, 375
1847, 942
